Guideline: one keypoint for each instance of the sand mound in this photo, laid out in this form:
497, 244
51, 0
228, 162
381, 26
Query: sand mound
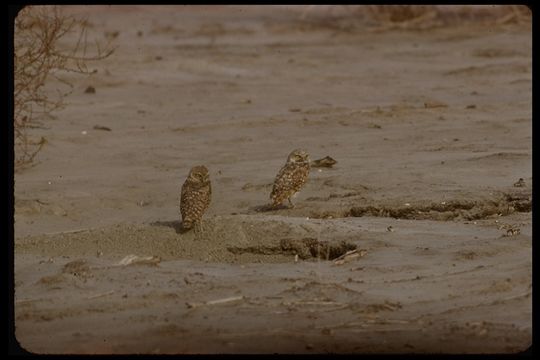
234, 239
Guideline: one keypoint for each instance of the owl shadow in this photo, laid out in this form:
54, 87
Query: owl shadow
176, 225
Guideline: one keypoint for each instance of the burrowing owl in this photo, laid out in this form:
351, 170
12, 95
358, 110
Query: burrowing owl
291, 177
195, 197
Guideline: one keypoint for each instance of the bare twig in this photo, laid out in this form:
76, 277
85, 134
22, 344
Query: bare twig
315, 303
142, 260
192, 305
38, 58
349, 256
65, 232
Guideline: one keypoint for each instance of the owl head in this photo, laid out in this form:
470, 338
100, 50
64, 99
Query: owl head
298, 156
199, 175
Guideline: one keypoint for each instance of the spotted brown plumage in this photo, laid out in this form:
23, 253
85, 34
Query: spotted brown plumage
291, 177
195, 196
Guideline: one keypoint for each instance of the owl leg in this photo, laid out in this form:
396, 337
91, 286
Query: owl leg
291, 205
199, 228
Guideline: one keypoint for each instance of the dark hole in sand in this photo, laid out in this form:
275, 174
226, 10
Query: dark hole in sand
306, 248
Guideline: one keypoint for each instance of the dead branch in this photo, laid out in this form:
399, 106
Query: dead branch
38, 58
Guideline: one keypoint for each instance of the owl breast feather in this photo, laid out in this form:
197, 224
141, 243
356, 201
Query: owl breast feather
289, 180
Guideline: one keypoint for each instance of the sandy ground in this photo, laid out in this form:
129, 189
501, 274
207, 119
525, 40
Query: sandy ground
431, 129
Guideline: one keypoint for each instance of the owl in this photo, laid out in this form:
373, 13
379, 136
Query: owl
291, 177
195, 196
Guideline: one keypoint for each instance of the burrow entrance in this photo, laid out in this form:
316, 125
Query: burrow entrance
306, 248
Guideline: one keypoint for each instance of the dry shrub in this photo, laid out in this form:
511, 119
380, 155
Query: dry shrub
38, 58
